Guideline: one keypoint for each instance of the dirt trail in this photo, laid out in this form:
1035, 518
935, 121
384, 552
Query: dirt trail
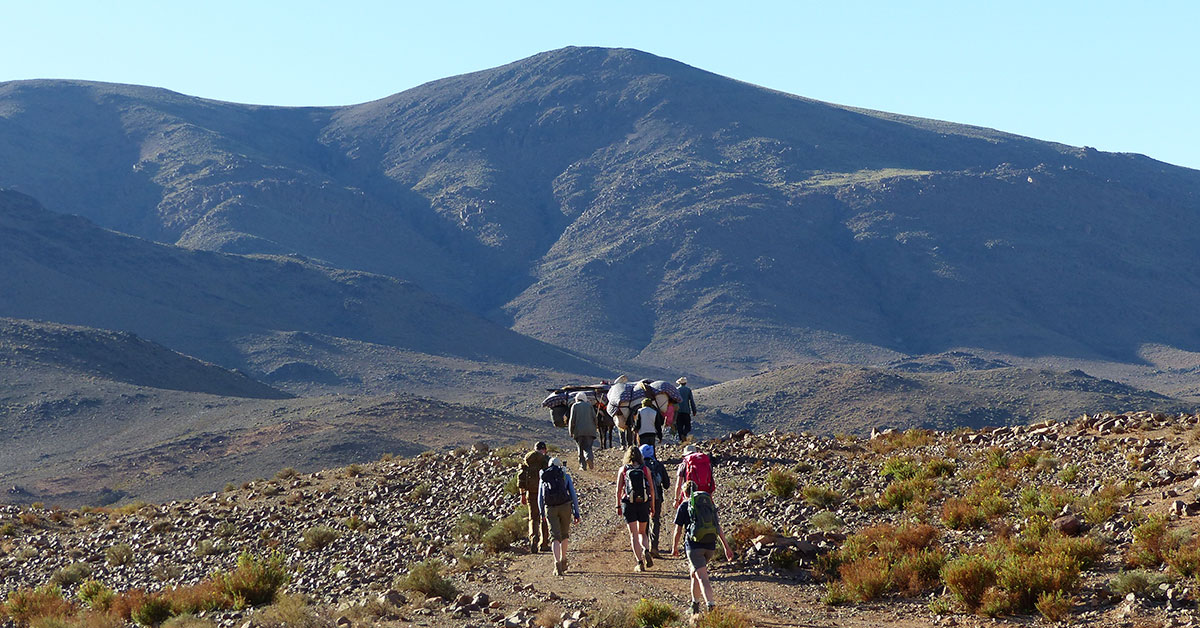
601, 565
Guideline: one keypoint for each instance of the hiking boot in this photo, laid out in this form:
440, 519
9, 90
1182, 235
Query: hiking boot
558, 568
640, 567
695, 608
649, 560
712, 606
564, 564
533, 547
544, 548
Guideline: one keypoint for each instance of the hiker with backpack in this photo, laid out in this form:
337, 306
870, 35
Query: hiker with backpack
559, 505
582, 427
697, 517
635, 500
528, 479
648, 422
695, 467
662, 481
685, 411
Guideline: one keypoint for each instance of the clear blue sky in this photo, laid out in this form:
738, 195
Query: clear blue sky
1119, 76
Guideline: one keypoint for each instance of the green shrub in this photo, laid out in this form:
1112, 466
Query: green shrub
512, 486
153, 610
827, 521
652, 614
899, 468
97, 596
120, 554
938, 468
821, 496
781, 483
471, 527
186, 621
1149, 543
1069, 473
1102, 505
254, 581
286, 473
898, 495
1142, 582
996, 458
420, 493
71, 574
426, 577
288, 611
509, 530
206, 547
317, 537
1028, 577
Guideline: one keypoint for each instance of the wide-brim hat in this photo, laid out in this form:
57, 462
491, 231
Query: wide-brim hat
681, 381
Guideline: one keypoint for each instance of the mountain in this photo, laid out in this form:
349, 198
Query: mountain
221, 307
630, 207
830, 398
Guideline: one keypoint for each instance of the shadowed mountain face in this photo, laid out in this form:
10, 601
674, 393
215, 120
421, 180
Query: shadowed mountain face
64, 269
628, 206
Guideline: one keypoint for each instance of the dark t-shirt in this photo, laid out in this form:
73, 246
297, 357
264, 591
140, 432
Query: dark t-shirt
684, 518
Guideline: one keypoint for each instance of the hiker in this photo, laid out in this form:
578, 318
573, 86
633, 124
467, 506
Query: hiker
635, 500
559, 505
695, 467
662, 481
646, 422
685, 411
697, 516
528, 481
582, 427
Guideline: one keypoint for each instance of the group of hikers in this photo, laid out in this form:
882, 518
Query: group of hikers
642, 483
584, 421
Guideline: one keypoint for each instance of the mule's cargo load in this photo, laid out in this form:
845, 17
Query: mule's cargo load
666, 388
565, 396
560, 399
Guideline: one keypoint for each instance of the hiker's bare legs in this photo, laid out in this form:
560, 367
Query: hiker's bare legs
635, 540
701, 575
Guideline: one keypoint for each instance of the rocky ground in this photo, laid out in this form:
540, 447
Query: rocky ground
376, 520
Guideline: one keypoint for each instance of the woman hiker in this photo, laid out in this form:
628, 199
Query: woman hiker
635, 501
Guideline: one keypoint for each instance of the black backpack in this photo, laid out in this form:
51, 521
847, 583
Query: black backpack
554, 485
635, 484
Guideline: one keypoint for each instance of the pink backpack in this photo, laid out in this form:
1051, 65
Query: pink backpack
697, 467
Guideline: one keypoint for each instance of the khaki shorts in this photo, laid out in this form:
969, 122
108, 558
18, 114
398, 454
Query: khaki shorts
698, 557
560, 521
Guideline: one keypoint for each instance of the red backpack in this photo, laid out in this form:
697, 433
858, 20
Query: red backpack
697, 467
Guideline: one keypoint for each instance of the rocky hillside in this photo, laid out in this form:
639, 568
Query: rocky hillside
695, 222
959, 391
27, 347
223, 307
91, 417
1087, 521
